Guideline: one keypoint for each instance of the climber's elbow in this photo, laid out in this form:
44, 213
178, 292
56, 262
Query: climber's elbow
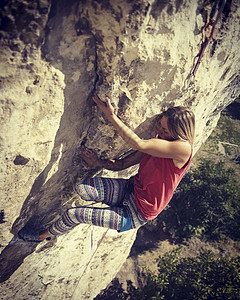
138, 145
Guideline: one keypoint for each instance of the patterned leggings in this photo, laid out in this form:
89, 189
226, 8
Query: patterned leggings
121, 215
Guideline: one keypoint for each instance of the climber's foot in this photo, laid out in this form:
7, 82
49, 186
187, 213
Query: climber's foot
45, 235
29, 235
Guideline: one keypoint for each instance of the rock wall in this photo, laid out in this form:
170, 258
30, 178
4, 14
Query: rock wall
54, 55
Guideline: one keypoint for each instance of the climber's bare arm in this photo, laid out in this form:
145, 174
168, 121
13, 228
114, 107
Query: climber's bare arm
178, 150
92, 160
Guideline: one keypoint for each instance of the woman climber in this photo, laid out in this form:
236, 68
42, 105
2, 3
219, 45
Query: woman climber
132, 202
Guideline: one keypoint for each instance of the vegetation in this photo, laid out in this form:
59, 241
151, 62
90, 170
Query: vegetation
200, 277
207, 204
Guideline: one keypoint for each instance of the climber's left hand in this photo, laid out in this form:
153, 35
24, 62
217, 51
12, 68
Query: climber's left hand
106, 107
90, 158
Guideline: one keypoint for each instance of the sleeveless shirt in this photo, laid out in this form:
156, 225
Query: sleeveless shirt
155, 183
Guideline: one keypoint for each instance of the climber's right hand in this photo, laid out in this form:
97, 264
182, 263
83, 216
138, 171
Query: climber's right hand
106, 107
90, 158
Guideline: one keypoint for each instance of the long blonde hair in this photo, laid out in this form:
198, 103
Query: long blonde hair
180, 121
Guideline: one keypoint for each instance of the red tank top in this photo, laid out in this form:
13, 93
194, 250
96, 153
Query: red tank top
155, 183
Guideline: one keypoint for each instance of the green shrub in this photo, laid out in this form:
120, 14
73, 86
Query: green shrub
209, 203
201, 277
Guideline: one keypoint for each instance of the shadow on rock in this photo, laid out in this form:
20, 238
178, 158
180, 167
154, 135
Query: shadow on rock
13, 255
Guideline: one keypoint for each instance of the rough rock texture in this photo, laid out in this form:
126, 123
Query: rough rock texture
54, 54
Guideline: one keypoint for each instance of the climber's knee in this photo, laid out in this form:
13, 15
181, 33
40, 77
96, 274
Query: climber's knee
70, 211
69, 217
78, 188
84, 189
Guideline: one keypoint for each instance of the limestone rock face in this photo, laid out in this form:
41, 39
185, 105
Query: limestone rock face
54, 55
